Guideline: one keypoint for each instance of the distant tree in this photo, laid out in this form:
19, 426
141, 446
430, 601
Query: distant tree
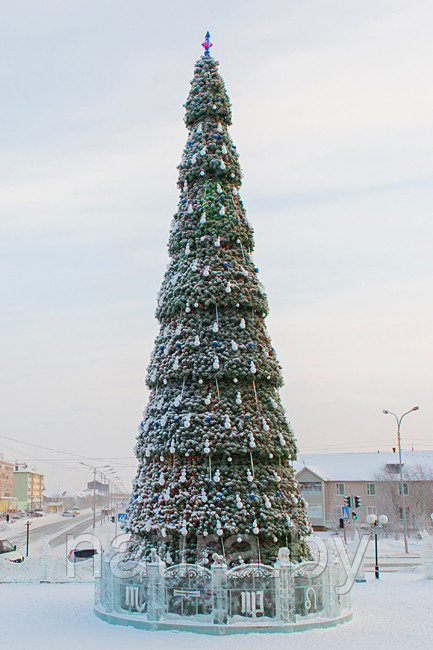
418, 493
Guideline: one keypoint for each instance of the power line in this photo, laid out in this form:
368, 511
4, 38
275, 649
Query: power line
60, 451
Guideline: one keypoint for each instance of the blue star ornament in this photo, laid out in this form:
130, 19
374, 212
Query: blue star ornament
207, 44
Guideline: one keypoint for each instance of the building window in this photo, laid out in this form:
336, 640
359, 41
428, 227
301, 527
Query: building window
371, 489
371, 510
340, 488
315, 511
405, 489
311, 487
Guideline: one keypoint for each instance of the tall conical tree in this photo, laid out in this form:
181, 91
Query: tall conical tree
214, 447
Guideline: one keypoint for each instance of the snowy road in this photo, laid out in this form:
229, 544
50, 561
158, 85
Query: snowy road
53, 532
394, 612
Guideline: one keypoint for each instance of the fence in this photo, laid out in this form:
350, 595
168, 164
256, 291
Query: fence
249, 595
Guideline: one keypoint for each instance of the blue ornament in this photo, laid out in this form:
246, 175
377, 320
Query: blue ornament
207, 44
250, 345
256, 269
214, 342
161, 347
219, 494
177, 344
247, 416
253, 496
176, 417
216, 136
277, 493
207, 418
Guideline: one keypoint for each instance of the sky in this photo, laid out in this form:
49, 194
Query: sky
333, 120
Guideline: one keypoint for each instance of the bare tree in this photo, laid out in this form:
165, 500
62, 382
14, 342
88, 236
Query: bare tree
418, 492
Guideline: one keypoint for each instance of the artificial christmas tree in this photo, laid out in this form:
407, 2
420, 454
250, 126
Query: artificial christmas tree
214, 447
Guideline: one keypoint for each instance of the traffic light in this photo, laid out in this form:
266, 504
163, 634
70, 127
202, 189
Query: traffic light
348, 501
357, 502
354, 515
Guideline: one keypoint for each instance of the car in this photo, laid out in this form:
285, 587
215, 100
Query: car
67, 513
9, 551
81, 554
38, 513
76, 511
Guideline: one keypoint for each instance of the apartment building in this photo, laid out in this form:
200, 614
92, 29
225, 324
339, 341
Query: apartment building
7, 501
326, 479
28, 487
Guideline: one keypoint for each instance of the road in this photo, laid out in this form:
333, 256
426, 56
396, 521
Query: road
54, 532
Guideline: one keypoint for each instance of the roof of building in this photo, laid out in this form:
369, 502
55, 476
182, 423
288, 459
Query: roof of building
362, 466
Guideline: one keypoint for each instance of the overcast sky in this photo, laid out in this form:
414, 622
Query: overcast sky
333, 120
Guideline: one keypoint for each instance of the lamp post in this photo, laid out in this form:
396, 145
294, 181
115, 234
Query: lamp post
95, 469
403, 507
375, 523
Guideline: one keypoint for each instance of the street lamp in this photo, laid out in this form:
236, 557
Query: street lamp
403, 507
95, 469
375, 523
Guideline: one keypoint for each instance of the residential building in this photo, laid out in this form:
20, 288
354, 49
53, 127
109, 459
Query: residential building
7, 501
28, 486
326, 479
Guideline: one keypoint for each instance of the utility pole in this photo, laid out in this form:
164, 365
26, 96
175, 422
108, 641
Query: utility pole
27, 538
94, 497
403, 506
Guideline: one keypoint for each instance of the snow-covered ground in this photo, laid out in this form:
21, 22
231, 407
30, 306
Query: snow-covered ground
394, 612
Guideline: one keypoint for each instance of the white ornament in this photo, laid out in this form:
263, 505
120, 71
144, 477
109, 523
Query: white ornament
203, 218
190, 210
222, 164
224, 149
282, 441
216, 364
238, 398
222, 211
161, 480
206, 447
196, 341
187, 421
177, 399
199, 129
194, 159
252, 441
217, 476
167, 494
239, 503
206, 271
208, 399
182, 477
252, 367
203, 151
234, 191
194, 266
265, 425
242, 324
215, 327
187, 249
219, 188
219, 128
217, 242
203, 495
268, 504
176, 363
249, 476
234, 345
227, 423
228, 288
